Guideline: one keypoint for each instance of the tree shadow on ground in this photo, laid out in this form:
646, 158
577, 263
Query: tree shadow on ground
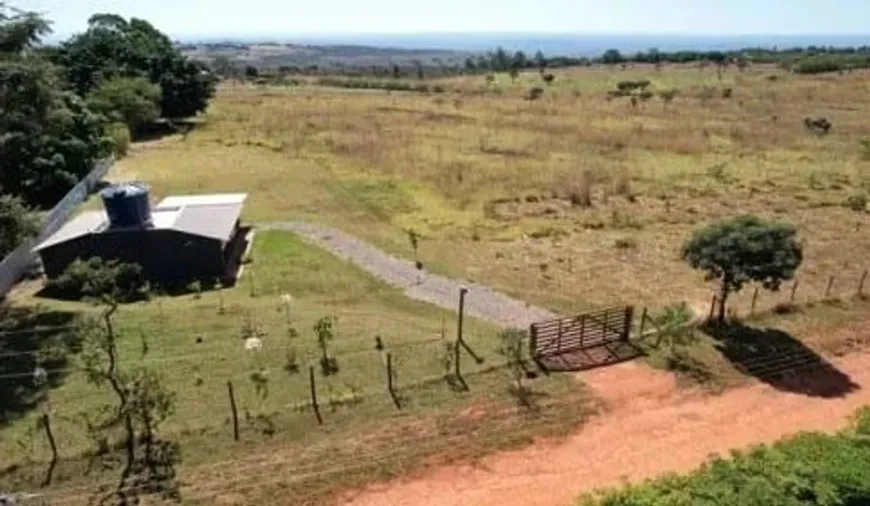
164, 128
32, 338
780, 360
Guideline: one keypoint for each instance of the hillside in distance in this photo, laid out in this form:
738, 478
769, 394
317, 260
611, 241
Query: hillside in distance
275, 55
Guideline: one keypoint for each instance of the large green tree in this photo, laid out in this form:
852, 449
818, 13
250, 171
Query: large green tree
134, 101
48, 137
744, 249
113, 47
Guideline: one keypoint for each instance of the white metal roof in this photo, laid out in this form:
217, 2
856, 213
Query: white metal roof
203, 200
212, 216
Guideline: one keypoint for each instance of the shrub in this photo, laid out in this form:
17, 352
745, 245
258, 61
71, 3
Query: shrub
626, 243
120, 135
95, 278
629, 86
535, 93
668, 96
548, 78
865, 148
857, 202
727, 93
17, 223
580, 190
808, 469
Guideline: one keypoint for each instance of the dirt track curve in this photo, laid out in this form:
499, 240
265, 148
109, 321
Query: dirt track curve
649, 427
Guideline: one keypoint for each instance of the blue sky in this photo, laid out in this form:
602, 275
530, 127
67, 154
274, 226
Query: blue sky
181, 18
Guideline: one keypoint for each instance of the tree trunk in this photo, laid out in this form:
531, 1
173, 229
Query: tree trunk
723, 297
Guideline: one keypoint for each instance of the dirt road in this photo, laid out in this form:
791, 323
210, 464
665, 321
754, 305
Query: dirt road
650, 429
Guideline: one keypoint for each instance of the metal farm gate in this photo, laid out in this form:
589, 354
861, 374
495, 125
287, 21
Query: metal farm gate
589, 340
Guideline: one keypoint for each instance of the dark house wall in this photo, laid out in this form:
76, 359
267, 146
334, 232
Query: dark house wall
165, 255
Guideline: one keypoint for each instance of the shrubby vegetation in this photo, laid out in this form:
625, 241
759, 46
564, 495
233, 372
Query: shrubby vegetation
361, 84
810, 469
93, 278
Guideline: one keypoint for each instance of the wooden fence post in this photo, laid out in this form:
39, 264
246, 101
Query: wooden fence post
861, 283
533, 341
829, 286
390, 386
46, 424
235, 411
626, 329
314, 395
754, 300
794, 287
462, 292
642, 322
712, 308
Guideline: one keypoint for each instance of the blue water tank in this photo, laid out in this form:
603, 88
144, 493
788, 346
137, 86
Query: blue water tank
127, 205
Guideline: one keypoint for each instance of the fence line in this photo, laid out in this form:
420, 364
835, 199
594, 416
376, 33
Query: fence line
13, 267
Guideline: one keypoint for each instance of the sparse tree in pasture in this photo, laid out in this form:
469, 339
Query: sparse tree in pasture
540, 61
744, 249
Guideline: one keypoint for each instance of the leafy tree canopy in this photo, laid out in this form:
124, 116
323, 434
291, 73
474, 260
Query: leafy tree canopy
113, 47
742, 250
48, 138
131, 100
17, 223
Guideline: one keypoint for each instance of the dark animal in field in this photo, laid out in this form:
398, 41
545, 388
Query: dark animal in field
819, 125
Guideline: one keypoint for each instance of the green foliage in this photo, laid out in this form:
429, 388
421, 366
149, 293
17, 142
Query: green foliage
744, 249
612, 56
824, 63
363, 84
121, 139
17, 223
20, 30
810, 469
324, 330
113, 47
133, 101
49, 138
857, 202
511, 348
111, 281
865, 148
629, 86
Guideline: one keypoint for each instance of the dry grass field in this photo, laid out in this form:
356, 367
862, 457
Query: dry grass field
487, 176
570, 201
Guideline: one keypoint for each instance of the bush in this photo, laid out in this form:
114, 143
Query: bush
17, 223
809, 469
629, 86
626, 243
727, 93
857, 202
865, 149
120, 135
535, 93
95, 278
580, 190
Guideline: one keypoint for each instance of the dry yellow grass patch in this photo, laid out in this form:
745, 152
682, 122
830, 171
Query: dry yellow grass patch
488, 177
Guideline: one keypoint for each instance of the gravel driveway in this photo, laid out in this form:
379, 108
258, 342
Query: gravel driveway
442, 291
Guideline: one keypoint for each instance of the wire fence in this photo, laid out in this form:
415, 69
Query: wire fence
266, 389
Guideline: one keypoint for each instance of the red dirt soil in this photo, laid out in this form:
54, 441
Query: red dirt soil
650, 428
